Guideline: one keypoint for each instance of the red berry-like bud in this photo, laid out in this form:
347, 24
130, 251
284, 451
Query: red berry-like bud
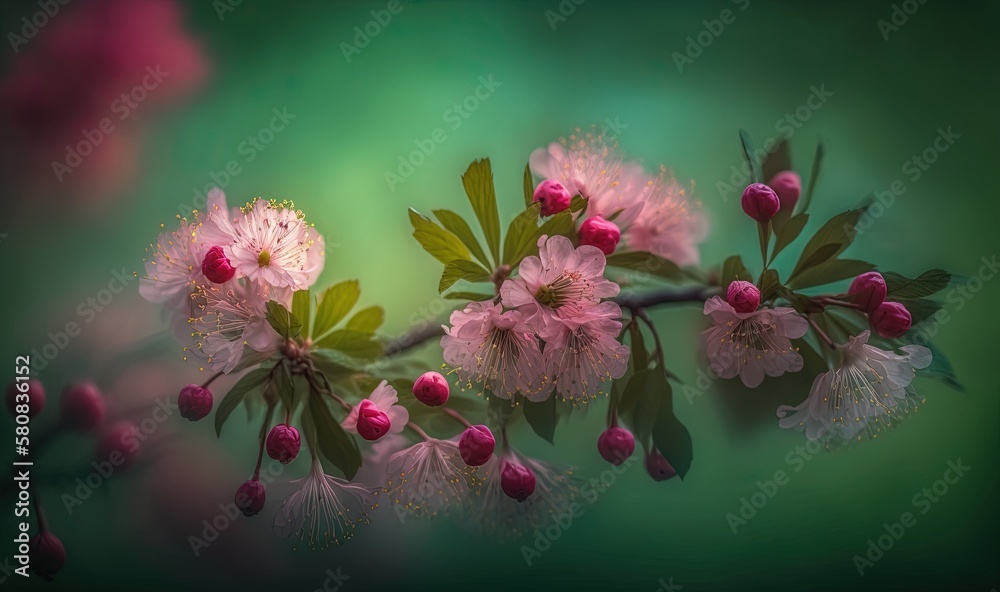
788, 186
112, 446
431, 389
658, 467
600, 233
194, 402
372, 423
216, 266
743, 296
552, 196
890, 320
47, 555
476, 445
616, 445
868, 290
82, 407
517, 481
760, 202
250, 497
31, 400
283, 443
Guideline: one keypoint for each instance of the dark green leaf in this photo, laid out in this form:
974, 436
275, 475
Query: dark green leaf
732, 270
499, 412
829, 241
770, 285
334, 364
284, 389
930, 282
748, 154
640, 355
353, 343
813, 177
522, 235
646, 262
440, 243
633, 391
788, 233
301, 301
829, 272
367, 320
542, 417
670, 436
778, 159
249, 382
334, 304
460, 228
529, 186
478, 182
941, 368
470, 296
282, 321
920, 309
334, 443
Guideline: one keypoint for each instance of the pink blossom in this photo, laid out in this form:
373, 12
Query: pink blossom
670, 223
585, 164
383, 399
430, 478
232, 316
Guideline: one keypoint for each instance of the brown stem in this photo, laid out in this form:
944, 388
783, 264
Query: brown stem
821, 333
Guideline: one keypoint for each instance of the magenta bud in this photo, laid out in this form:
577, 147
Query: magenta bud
194, 402
283, 443
476, 445
47, 555
788, 186
116, 447
82, 407
615, 445
250, 497
517, 481
600, 233
431, 389
372, 423
743, 296
868, 290
890, 320
552, 196
31, 399
658, 467
216, 266
760, 202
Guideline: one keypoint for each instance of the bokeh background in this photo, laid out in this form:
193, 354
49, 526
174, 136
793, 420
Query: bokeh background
557, 65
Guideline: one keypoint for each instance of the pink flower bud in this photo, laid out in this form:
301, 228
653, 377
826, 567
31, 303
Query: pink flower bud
517, 481
116, 447
283, 443
760, 202
35, 398
250, 497
600, 233
194, 402
890, 320
217, 267
553, 197
658, 467
476, 445
82, 407
372, 423
431, 389
743, 296
616, 445
788, 186
47, 555
868, 290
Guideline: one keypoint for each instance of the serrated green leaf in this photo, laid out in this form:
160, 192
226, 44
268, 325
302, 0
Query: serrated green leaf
462, 270
249, 382
529, 186
829, 241
353, 343
789, 231
920, 309
803, 204
542, 417
478, 182
367, 320
732, 270
927, 284
748, 154
829, 272
301, 301
334, 304
440, 243
470, 296
646, 262
333, 442
460, 228
282, 321
522, 235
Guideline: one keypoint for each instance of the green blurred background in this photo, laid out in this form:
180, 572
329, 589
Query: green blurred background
605, 62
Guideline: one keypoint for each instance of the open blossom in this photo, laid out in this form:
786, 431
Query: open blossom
670, 223
561, 280
232, 316
325, 510
585, 164
383, 400
497, 350
752, 344
582, 352
173, 270
866, 394
430, 478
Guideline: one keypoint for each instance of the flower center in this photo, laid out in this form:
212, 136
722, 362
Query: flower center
264, 259
569, 287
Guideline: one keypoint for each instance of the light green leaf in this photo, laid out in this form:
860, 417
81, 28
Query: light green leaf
353, 343
461, 270
470, 296
282, 321
334, 304
250, 381
367, 320
522, 235
440, 243
646, 262
460, 228
529, 186
301, 301
478, 182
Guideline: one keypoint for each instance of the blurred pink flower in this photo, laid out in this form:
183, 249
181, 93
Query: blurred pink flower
670, 224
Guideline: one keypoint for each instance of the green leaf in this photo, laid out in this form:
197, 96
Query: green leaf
462, 270
460, 228
748, 154
282, 321
334, 443
829, 272
478, 182
777, 160
440, 243
367, 320
920, 309
499, 411
301, 309
829, 241
813, 177
353, 343
578, 204
646, 262
249, 382
640, 355
284, 388
334, 364
929, 283
670, 437
633, 390
770, 285
529, 186
522, 235
940, 367
788, 233
334, 304
732, 270
470, 296
542, 417
560, 224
